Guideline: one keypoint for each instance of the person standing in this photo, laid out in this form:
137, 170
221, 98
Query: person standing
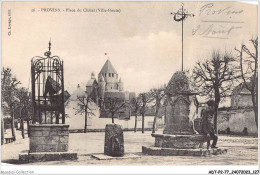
208, 124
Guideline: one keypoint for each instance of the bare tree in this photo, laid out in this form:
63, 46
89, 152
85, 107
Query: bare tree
145, 98
249, 71
2, 130
114, 105
9, 87
84, 103
24, 107
215, 77
157, 95
135, 105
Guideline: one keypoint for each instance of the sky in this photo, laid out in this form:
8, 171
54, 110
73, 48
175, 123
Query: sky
142, 39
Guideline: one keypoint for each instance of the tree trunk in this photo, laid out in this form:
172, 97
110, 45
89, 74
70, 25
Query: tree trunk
135, 122
22, 128
217, 100
155, 117
216, 118
255, 108
12, 125
2, 131
165, 112
142, 123
28, 128
113, 118
21, 123
256, 116
86, 120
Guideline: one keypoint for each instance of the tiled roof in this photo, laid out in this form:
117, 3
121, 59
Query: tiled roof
108, 68
78, 94
241, 89
91, 82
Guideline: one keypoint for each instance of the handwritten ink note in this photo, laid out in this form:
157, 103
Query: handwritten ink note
217, 22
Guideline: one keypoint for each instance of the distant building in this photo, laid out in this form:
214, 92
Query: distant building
108, 85
75, 116
66, 95
92, 88
238, 116
76, 119
241, 97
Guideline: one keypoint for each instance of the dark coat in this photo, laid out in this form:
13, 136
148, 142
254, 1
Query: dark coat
207, 122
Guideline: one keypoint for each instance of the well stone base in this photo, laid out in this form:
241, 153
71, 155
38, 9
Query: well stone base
49, 138
179, 141
48, 142
46, 156
156, 151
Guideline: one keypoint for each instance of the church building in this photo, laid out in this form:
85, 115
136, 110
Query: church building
108, 85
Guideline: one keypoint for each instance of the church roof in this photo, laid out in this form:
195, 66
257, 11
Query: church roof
241, 89
91, 82
108, 68
79, 93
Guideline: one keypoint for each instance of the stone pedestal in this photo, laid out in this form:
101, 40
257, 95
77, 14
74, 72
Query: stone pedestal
114, 140
179, 137
48, 142
179, 141
177, 114
157, 151
49, 138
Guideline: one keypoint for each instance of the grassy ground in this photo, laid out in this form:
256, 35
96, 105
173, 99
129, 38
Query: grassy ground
241, 151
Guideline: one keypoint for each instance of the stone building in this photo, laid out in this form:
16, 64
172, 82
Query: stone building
92, 88
75, 117
108, 85
241, 96
238, 117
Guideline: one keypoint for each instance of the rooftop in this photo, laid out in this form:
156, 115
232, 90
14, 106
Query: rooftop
108, 68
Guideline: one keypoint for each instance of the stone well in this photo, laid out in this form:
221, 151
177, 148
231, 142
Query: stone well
49, 138
48, 142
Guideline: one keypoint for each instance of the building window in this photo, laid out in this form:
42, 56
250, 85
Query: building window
109, 74
112, 75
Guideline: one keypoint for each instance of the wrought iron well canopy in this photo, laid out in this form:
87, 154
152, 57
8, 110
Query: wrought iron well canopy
47, 75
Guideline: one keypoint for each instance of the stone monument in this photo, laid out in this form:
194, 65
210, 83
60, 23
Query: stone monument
114, 144
114, 140
179, 137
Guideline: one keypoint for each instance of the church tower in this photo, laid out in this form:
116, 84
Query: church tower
102, 88
110, 76
120, 85
92, 88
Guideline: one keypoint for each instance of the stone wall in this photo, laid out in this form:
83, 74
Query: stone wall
94, 122
49, 138
241, 100
237, 120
